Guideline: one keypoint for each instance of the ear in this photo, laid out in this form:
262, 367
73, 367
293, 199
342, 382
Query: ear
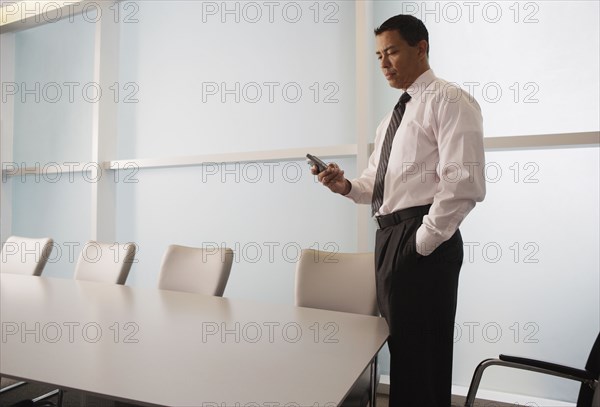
422, 46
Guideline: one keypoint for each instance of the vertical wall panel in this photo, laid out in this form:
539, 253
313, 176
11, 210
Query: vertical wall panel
53, 96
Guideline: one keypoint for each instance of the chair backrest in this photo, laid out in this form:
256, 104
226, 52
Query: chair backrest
105, 262
336, 281
589, 397
195, 270
593, 362
22, 255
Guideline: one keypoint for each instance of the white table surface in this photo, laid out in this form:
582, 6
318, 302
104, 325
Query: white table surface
169, 348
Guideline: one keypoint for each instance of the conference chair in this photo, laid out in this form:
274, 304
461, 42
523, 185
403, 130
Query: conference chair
342, 282
105, 262
589, 394
195, 270
26, 256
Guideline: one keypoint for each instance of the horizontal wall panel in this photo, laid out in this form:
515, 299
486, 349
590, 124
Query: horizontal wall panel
265, 212
218, 77
529, 283
528, 77
56, 206
54, 92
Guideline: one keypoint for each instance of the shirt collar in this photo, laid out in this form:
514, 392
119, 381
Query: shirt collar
421, 83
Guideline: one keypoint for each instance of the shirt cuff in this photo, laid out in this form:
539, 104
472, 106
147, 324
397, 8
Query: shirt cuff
427, 242
354, 193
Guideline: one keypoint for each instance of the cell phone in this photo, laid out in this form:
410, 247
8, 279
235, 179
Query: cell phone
316, 161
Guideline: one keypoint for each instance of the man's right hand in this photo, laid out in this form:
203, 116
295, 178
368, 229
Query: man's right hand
333, 178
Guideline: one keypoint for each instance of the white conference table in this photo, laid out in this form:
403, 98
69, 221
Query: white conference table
166, 348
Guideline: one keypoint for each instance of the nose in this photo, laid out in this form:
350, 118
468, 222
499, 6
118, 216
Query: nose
384, 62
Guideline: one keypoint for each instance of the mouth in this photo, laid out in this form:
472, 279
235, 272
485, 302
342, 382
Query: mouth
389, 75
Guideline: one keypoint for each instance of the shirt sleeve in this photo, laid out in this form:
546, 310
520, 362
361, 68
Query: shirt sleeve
460, 170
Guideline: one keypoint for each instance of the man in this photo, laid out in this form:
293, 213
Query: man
423, 178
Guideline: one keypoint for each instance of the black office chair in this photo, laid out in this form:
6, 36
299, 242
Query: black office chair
588, 377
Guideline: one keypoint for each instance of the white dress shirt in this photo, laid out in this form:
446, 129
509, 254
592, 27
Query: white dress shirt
437, 158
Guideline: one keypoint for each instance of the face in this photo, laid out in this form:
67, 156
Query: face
400, 63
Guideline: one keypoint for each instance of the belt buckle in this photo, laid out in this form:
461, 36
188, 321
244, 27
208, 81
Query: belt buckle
378, 222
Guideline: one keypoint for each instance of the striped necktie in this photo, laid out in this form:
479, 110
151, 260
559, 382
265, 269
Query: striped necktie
386, 148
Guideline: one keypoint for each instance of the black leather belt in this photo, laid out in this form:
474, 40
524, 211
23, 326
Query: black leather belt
394, 218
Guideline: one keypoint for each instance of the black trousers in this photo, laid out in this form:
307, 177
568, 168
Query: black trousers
417, 296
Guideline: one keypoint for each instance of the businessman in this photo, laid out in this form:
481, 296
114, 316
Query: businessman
424, 176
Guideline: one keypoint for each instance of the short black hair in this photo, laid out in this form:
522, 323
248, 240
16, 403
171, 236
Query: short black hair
410, 28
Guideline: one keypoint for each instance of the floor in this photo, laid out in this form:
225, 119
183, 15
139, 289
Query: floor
457, 401
75, 399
